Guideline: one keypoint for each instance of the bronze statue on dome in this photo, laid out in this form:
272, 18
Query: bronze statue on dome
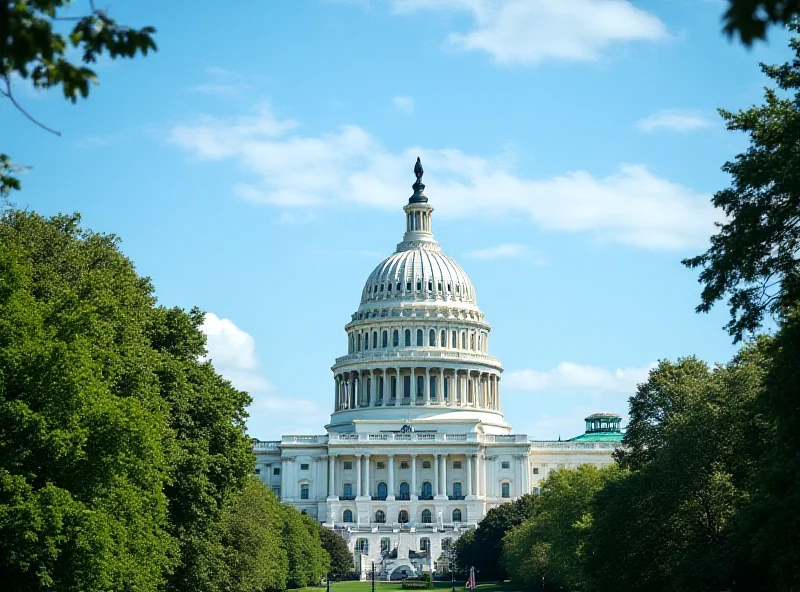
418, 170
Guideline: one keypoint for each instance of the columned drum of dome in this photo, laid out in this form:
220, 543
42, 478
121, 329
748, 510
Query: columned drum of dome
418, 345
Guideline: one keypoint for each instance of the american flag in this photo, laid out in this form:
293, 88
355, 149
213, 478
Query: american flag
471, 583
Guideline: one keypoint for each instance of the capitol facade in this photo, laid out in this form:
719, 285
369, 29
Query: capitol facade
417, 449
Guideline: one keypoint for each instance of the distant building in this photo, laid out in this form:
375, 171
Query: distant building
417, 449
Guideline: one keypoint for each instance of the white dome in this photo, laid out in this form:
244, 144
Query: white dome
419, 274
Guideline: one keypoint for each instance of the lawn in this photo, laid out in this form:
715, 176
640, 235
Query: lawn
387, 586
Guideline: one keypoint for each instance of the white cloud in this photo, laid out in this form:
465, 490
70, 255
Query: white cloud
233, 353
509, 251
404, 104
631, 205
674, 120
568, 376
532, 31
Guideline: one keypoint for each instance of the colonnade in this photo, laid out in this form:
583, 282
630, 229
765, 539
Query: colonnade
362, 486
385, 387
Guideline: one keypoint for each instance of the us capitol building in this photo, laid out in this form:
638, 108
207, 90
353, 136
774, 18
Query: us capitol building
417, 449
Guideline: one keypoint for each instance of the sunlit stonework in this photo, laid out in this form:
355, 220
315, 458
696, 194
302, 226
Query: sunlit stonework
417, 449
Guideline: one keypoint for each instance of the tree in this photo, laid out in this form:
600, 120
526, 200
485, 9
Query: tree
255, 557
753, 258
31, 48
751, 18
84, 435
484, 550
341, 559
308, 561
545, 551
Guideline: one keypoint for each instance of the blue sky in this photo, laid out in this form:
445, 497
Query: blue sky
257, 164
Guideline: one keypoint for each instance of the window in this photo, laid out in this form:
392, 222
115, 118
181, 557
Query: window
454, 343
358, 343
404, 492
347, 491
426, 464
380, 517
304, 491
303, 466
456, 464
404, 464
382, 491
446, 385
425, 544
505, 490
427, 490
362, 547
419, 286
419, 338
402, 517
535, 470
380, 465
457, 489
258, 471
506, 464
276, 471
430, 285
456, 518
366, 341
385, 339
432, 386
447, 544
389, 288
347, 516
395, 338
384, 546
348, 465
472, 341
394, 387
463, 341
276, 491
406, 386
432, 338
374, 339
420, 386
426, 517
443, 339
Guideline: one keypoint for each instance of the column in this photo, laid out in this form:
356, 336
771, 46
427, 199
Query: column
498, 393
413, 387
336, 393
358, 475
390, 494
285, 466
374, 395
385, 377
444, 475
399, 394
470, 458
414, 476
367, 485
435, 474
427, 387
441, 387
478, 468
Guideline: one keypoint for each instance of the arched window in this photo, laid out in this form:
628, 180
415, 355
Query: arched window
472, 341
505, 489
404, 491
419, 338
374, 340
454, 343
395, 338
426, 464
385, 339
347, 491
426, 516
456, 516
358, 342
457, 489
304, 491
366, 341
443, 339
352, 344
432, 338
427, 490
463, 340
408, 337
402, 517
347, 516
382, 491
380, 516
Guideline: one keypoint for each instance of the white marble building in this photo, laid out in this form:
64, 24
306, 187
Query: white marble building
417, 449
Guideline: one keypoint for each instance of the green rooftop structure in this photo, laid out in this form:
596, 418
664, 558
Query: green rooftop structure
601, 427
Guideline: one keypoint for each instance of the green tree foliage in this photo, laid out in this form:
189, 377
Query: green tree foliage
753, 259
544, 552
252, 527
484, 549
678, 519
119, 447
85, 442
341, 559
308, 561
751, 18
33, 47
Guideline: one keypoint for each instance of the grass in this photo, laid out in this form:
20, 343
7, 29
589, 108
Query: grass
387, 586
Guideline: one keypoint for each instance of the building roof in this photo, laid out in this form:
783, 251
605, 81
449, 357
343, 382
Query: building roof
598, 437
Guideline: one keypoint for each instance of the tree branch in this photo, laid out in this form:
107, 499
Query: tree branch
8, 94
